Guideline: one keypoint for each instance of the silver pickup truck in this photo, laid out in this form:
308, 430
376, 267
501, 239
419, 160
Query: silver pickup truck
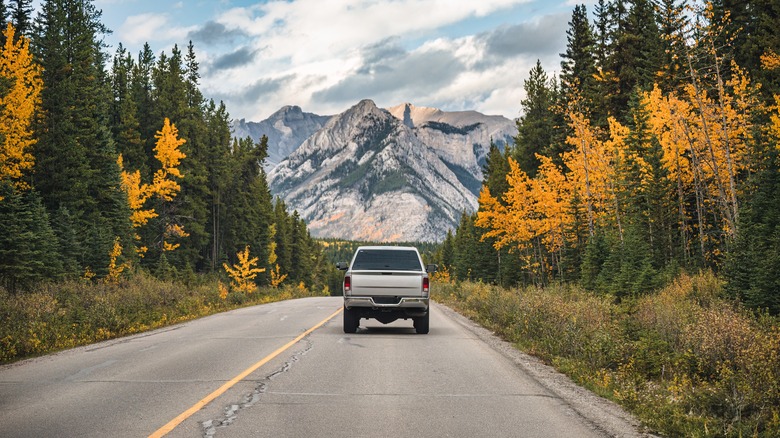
386, 283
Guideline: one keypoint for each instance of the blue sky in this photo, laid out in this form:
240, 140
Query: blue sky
326, 55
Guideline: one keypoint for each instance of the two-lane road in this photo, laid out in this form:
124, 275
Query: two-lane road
383, 381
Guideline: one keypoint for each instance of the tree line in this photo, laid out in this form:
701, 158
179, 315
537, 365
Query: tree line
654, 150
119, 160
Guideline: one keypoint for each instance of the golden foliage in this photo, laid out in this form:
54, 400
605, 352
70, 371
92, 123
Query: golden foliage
244, 272
163, 186
168, 154
17, 107
223, 290
137, 195
114, 270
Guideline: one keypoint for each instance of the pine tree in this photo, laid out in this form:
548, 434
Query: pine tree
21, 16
28, 247
249, 212
75, 156
3, 20
535, 128
578, 66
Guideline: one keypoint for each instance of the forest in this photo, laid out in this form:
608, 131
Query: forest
653, 152
114, 164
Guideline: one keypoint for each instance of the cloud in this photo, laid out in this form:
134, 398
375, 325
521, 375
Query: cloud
142, 28
390, 71
326, 56
213, 33
240, 57
536, 38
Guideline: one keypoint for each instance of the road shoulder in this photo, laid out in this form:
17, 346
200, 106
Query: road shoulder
604, 415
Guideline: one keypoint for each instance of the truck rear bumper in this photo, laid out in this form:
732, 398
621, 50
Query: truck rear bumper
383, 303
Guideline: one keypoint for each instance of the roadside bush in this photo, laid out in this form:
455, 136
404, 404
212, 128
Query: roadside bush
686, 360
64, 315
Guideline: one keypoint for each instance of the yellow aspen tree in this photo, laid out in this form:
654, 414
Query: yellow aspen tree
164, 186
243, 273
592, 169
667, 116
137, 195
554, 196
114, 270
168, 154
17, 107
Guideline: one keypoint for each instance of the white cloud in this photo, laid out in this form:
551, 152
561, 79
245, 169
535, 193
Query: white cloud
150, 28
325, 56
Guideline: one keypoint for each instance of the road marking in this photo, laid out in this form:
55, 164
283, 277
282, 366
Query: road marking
209, 398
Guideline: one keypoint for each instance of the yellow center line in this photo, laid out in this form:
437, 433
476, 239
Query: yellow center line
209, 398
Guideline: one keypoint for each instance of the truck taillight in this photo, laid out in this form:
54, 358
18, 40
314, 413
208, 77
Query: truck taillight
347, 283
426, 286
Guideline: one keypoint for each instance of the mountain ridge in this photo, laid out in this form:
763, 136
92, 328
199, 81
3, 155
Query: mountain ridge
400, 174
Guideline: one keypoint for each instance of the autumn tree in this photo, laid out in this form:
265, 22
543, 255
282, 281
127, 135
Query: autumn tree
20, 88
244, 272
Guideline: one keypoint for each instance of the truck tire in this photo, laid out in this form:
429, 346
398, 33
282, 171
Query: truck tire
351, 321
421, 323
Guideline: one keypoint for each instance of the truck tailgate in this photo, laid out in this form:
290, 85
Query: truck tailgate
387, 283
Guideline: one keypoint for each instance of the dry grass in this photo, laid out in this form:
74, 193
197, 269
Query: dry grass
65, 315
685, 360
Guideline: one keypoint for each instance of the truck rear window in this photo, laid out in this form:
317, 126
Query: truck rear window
390, 260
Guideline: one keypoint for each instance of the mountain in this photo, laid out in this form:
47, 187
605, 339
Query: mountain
367, 176
460, 138
286, 129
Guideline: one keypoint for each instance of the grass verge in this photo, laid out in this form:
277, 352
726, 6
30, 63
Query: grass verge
685, 360
65, 315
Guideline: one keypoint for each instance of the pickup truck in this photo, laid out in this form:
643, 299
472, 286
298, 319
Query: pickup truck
386, 283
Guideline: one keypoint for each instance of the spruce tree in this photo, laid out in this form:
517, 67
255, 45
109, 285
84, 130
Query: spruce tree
578, 65
20, 15
28, 246
76, 161
535, 128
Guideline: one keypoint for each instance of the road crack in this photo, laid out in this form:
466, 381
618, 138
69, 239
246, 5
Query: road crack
248, 400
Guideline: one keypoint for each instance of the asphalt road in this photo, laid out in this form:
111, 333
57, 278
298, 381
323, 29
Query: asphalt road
383, 381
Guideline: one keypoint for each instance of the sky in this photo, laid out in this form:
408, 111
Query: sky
327, 55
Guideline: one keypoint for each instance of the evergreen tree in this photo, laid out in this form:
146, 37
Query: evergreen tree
283, 237
28, 247
3, 20
76, 161
249, 212
753, 266
535, 128
124, 123
494, 171
578, 66
637, 55
672, 24
141, 94
20, 15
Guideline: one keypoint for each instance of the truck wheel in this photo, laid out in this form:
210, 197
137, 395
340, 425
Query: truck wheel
421, 324
351, 321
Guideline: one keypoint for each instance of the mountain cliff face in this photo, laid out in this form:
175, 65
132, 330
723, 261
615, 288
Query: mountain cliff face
367, 176
460, 138
286, 129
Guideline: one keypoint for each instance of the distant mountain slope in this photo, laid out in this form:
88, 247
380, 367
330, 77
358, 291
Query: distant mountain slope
367, 176
460, 138
286, 129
